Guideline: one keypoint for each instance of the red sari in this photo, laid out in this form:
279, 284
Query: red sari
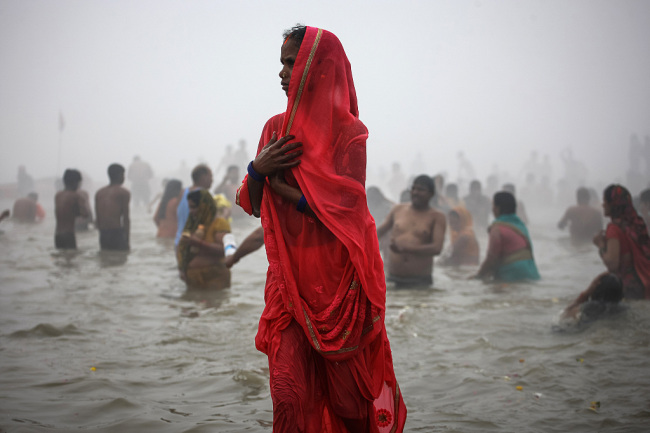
323, 324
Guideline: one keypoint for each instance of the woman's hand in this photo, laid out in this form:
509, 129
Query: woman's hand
277, 155
600, 240
277, 181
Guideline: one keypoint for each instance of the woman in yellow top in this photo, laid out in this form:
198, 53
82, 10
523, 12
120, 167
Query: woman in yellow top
200, 252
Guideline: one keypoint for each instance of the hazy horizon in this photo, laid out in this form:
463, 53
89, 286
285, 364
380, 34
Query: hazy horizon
173, 81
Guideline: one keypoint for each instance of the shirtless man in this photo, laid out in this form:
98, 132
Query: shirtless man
585, 221
28, 210
68, 204
112, 211
418, 234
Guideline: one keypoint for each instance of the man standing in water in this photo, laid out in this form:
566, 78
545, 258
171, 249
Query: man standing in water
325, 297
68, 204
112, 211
418, 234
585, 221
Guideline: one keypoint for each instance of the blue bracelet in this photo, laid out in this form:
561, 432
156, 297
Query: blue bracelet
302, 204
255, 175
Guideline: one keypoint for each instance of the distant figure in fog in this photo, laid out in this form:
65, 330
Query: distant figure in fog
112, 212
510, 250
464, 248
228, 187
478, 204
584, 220
379, 207
439, 201
68, 205
625, 247
644, 206
140, 174
397, 180
202, 179
200, 251
418, 234
165, 215
601, 297
25, 183
28, 209
451, 193
521, 209
5, 214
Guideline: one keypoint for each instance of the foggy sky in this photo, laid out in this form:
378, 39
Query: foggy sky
180, 80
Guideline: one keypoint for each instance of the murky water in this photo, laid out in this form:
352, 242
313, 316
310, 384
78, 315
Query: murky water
106, 342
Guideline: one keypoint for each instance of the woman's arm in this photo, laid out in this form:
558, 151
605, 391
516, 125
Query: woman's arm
290, 193
275, 155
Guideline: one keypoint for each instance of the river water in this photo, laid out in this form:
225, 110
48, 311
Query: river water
102, 342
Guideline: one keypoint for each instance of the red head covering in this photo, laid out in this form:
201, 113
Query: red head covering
329, 272
625, 216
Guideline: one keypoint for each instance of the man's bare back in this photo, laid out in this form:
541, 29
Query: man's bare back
112, 207
585, 222
67, 206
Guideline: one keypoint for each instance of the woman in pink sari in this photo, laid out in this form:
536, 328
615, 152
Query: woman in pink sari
322, 327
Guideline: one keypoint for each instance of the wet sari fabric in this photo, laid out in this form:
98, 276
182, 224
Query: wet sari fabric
323, 322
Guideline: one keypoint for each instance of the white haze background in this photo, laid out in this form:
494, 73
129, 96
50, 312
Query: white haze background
180, 80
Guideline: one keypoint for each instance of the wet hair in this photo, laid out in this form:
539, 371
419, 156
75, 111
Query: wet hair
115, 171
194, 197
71, 178
199, 171
506, 202
583, 196
172, 189
616, 211
426, 181
645, 196
295, 34
608, 289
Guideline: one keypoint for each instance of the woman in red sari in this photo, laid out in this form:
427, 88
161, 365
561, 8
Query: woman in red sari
625, 246
322, 327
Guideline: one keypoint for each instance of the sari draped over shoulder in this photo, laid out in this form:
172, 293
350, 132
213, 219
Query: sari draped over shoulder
634, 228
326, 274
520, 265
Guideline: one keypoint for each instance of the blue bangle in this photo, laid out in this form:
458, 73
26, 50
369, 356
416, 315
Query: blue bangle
302, 204
255, 175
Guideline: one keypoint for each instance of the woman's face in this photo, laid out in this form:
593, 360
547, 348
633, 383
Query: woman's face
607, 209
194, 208
288, 55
